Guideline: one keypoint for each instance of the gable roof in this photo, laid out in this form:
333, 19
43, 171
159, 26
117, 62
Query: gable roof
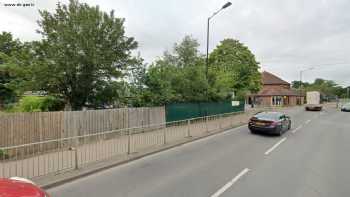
271, 79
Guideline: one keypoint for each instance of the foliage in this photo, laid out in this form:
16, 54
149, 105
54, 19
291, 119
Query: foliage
7, 94
328, 87
178, 76
233, 68
108, 94
8, 44
51, 103
296, 84
83, 50
14, 69
30, 104
38, 104
3, 155
85, 59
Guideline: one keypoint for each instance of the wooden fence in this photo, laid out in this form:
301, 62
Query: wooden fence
24, 128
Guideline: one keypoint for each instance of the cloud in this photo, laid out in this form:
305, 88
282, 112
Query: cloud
285, 36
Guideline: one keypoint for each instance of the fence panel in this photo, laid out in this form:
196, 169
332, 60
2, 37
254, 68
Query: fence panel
26, 128
35, 159
183, 111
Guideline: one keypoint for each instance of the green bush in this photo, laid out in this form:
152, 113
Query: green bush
31, 104
3, 155
39, 104
52, 103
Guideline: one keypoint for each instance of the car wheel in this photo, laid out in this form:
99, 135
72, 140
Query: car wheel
252, 131
279, 131
290, 125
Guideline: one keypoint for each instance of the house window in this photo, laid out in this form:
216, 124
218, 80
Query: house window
277, 100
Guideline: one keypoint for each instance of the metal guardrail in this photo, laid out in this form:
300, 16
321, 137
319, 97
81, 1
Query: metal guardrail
56, 156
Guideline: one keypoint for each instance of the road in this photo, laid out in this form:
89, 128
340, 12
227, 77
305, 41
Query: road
310, 160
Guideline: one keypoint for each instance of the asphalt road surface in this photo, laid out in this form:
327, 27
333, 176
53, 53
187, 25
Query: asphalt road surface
313, 159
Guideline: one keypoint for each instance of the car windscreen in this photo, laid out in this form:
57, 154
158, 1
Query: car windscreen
268, 116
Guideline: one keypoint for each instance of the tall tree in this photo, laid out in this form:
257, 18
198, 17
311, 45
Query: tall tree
178, 76
233, 68
14, 67
328, 88
82, 49
8, 44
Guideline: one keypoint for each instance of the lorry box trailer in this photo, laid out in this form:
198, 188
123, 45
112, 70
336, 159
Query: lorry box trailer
313, 101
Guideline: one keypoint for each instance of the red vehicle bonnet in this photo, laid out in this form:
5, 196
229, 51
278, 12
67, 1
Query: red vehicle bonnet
13, 188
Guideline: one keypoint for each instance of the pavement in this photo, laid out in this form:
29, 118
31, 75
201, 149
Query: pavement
309, 160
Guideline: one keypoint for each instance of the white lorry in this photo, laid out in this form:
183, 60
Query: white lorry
313, 101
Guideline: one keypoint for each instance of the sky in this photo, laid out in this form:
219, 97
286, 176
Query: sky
286, 36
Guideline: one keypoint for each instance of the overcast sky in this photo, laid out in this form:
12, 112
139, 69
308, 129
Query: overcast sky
285, 35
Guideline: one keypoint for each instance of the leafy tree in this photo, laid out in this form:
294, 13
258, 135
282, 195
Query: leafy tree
328, 87
7, 94
8, 45
14, 67
296, 84
82, 52
233, 68
178, 76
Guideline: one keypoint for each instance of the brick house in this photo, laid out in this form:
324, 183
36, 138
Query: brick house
275, 92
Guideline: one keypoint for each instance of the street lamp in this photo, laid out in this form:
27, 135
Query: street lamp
228, 4
300, 82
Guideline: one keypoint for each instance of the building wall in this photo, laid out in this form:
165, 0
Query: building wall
263, 100
292, 100
267, 100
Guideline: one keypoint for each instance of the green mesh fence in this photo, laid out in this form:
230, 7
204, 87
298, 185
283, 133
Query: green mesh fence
183, 111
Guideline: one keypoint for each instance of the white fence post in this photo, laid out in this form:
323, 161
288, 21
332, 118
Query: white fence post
206, 124
164, 134
129, 141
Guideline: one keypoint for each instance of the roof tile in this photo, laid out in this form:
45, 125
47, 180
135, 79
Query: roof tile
271, 79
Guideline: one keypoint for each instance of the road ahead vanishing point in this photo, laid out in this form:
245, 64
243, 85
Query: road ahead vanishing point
310, 160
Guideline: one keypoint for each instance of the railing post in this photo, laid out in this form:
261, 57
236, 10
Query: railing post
220, 121
129, 141
231, 118
206, 124
76, 158
164, 134
76, 164
188, 128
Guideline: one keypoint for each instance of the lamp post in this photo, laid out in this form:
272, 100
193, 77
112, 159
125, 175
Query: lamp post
228, 4
301, 83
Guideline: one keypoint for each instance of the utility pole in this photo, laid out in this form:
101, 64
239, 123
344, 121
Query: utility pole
228, 4
301, 84
300, 90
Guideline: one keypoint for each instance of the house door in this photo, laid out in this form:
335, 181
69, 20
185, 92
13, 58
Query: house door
277, 100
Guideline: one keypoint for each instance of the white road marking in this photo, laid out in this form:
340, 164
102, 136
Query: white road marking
275, 146
308, 121
229, 184
298, 128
